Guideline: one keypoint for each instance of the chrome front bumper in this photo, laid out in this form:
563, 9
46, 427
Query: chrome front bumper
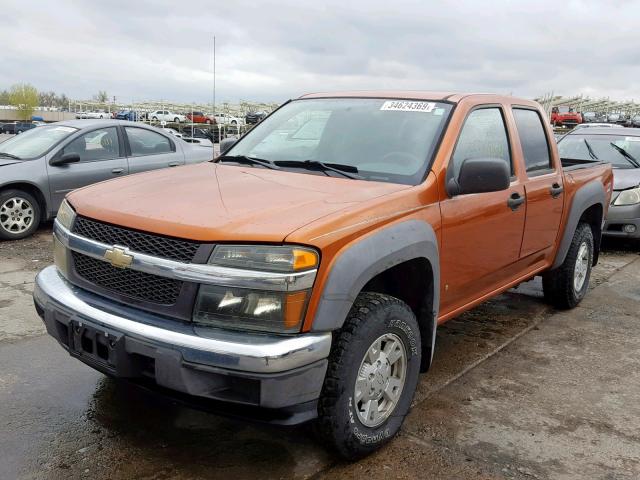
242, 351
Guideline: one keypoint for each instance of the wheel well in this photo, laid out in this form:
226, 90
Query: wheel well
592, 216
33, 190
411, 282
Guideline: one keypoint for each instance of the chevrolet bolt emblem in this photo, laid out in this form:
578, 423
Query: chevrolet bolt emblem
118, 258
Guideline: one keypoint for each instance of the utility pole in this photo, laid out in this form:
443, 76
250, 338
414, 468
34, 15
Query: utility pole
214, 77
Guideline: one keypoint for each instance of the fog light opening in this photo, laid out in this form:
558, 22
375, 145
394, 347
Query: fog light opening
630, 228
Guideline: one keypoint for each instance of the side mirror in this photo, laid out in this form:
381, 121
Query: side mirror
480, 175
71, 157
226, 144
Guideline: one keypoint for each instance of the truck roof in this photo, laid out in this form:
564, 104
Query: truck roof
453, 97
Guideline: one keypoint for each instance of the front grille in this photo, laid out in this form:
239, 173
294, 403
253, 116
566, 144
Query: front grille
130, 283
180, 250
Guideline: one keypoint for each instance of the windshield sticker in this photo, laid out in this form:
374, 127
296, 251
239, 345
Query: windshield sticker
632, 139
438, 112
405, 106
63, 129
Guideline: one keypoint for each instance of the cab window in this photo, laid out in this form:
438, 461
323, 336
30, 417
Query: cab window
533, 140
484, 135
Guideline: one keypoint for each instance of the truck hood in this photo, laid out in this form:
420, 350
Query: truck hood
624, 178
212, 202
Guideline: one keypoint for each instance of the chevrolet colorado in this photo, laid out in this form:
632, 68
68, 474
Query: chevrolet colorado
302, 274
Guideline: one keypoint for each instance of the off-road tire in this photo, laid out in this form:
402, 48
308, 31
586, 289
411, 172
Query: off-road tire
338, 424
558, 285
36, 216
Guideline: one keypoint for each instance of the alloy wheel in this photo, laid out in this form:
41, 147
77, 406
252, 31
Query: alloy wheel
380, 380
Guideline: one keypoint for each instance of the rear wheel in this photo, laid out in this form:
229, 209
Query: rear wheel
372, 375
176, 120
567, 285
19, 214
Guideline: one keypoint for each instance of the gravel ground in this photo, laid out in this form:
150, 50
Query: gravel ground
517, 391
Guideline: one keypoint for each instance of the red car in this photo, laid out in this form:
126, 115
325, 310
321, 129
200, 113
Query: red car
199, 117
565, 117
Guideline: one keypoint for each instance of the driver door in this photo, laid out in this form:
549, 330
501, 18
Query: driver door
481, 232
101, 158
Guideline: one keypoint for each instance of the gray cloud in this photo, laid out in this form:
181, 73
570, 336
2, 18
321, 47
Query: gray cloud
267, 50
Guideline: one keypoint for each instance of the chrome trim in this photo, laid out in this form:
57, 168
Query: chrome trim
190, 272
242, 351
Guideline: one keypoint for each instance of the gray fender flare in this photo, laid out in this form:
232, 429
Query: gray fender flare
370, 256
587, 196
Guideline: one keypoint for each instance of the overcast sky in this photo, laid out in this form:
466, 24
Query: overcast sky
272, 51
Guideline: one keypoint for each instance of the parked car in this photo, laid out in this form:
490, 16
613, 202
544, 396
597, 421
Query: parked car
20, 127
199, 117
307, 272
129, 115
9, 127
166, 116
633, 121
596, 125
200, 142
621, 148
591, 117
252, 118
565, 117
39, 167
81, 114
212, 133
616, 118
97, 114
172, 131
227, 119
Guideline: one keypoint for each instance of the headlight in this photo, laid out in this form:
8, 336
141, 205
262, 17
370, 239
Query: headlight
256, 309
66, 215
628, 197
265, 258
240, 308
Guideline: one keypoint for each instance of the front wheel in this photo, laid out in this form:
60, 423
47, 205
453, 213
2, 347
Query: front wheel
372, 375
566, 286
19, 214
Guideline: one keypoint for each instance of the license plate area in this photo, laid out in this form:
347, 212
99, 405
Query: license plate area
95, 345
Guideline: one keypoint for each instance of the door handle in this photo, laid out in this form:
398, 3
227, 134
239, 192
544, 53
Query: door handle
174, 164
556, 189
117, 171
515, 200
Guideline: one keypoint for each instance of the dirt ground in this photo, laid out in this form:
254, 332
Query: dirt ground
517, 390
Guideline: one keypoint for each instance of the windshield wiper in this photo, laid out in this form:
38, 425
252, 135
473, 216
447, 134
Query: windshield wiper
632, 160
591, 154
9, 155
248, 160
348, 171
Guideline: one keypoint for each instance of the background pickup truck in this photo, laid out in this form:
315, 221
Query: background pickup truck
302, 275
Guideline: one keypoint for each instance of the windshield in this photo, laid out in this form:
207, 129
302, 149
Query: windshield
577, 147
385, 140
35, 142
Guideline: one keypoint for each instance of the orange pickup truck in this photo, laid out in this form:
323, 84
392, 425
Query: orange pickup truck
302, 274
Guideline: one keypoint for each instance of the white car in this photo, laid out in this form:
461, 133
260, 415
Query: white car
166, 116
97, 114
226, 119
81, 114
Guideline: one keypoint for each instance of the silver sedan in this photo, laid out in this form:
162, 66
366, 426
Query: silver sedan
39, 167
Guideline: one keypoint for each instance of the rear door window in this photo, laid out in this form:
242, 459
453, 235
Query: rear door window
533, 140
146, 142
